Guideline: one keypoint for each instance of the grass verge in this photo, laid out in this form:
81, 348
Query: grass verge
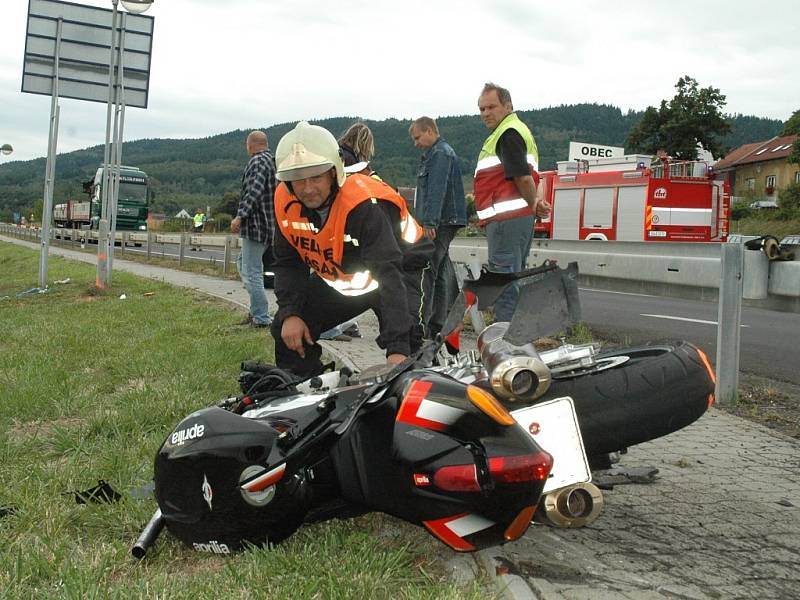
90, 385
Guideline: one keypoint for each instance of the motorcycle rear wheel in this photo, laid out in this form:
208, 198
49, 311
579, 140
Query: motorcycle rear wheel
659, 389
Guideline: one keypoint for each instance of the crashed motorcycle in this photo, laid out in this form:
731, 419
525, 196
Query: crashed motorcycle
469, 445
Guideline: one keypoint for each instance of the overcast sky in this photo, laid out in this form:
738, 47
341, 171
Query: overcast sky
220, 65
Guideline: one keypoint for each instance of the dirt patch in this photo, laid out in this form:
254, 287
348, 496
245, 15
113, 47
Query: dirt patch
774, 404
25, 431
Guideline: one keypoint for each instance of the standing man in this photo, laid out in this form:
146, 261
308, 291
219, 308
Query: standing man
255, 224
442, 210
198, 221
505, 190
345, 244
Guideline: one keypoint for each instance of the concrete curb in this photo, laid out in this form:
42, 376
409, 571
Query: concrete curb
509, 585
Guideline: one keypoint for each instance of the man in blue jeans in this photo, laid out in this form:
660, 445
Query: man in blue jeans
441, 209
255, 224
506, 178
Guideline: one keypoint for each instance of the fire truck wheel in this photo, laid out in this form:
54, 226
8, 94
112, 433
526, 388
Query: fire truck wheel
660, 389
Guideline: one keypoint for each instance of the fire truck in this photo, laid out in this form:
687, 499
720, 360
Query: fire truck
629, 198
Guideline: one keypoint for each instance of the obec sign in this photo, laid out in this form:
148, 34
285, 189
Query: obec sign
582, 151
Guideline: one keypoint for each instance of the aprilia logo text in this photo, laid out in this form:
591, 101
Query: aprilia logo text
213, 546
190, 433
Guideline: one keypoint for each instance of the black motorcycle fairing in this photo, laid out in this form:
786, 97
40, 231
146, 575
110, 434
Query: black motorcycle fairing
547, 302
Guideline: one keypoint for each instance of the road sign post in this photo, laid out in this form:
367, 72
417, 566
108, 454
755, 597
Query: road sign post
72, 52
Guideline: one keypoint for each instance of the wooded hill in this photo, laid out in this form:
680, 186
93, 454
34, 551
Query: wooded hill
198, 172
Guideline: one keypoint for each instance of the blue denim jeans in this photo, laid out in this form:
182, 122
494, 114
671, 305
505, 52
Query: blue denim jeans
437, 289
251, 270
509, 243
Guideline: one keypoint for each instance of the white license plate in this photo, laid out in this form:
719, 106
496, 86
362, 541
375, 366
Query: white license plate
554, 426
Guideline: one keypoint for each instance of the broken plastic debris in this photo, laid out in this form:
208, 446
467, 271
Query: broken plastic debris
122, 297
67, 280
31, 292
148, 294
102, 492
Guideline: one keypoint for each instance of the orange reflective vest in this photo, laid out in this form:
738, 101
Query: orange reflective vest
497, 198
323, 250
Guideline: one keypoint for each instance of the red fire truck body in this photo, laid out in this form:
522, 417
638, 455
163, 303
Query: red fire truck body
627, 199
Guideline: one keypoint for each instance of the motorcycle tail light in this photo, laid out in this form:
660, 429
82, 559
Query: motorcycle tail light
457, 478
520, 524
489, 405
517, 469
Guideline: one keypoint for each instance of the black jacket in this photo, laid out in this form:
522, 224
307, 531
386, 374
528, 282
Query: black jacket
376, 226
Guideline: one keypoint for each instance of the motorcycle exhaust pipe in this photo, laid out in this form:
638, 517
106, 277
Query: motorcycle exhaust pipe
573, 506
515, 372
148, 536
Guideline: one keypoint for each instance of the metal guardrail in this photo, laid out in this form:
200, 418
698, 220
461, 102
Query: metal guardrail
227, 244
683, 270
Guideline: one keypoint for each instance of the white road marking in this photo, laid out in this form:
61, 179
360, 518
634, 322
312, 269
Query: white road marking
622, 293
683, 319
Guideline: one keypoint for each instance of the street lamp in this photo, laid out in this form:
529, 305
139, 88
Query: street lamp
6, 149
107, 225
137, 6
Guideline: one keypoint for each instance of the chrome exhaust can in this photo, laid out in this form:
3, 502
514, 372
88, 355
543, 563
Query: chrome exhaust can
515, 372
573, 506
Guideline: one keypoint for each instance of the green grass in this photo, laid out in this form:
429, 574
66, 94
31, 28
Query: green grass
89, 387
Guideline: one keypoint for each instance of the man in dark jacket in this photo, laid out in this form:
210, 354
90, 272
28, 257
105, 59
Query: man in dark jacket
442, 209
345, 244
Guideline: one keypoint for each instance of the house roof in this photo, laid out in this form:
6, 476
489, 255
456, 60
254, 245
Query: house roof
772, 149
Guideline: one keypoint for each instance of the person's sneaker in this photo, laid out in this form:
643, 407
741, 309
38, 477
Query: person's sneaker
353, 331
260, 325
246, 321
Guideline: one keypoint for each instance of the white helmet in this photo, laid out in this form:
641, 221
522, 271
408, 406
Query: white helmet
308, 151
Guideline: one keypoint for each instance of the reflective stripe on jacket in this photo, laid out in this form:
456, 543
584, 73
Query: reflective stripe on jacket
497, 198
323, 250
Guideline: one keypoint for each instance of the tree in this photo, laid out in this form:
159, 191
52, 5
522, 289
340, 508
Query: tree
789, 201
792, 127
230, 204
693, 115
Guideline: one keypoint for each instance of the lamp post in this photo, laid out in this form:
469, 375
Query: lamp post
107, 225
6, 149
136, 6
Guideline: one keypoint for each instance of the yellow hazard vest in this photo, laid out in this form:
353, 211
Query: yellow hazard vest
497, 198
